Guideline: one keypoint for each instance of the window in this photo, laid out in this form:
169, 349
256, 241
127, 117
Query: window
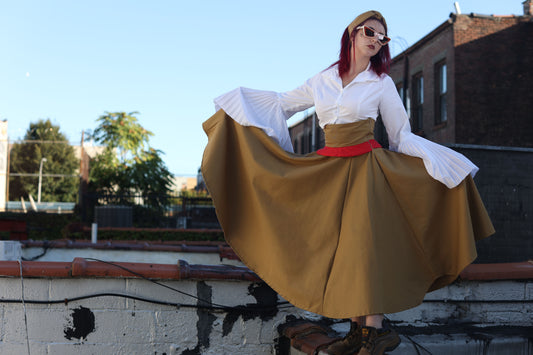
441, 88
417, 102
399, 88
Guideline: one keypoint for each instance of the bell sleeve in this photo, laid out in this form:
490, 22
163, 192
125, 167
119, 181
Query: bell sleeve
267, 110
442, 163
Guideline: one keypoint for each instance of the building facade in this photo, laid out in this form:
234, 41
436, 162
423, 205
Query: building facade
306, 135
469, 81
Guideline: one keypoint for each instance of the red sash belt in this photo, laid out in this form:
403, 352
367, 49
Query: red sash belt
349, 151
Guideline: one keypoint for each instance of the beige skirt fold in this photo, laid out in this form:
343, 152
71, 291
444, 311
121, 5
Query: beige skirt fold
341, 237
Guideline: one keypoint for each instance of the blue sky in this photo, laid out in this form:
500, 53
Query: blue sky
70, 61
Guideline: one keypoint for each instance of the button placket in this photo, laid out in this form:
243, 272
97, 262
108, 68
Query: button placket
338, 104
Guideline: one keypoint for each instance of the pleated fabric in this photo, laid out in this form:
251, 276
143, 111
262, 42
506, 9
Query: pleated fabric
337, 236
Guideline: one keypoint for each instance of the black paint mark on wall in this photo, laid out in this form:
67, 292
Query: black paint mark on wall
266, 298
265, 307
81, 324
206, 319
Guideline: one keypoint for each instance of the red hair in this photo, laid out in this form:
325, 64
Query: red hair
380, 63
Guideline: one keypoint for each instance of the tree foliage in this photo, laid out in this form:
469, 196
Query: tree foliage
44, 140
128, 165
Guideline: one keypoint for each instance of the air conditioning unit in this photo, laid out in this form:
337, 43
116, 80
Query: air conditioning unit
10, 250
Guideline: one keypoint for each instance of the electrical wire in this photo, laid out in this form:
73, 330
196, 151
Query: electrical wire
46, 246
191, 295
113, 294
202, 303
417, 345
133, 297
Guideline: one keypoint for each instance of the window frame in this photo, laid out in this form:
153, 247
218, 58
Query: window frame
441, 92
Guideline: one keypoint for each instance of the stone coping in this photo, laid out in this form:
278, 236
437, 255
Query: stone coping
501, 271
81, 267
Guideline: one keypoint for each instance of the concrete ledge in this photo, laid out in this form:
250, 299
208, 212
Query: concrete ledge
220, 248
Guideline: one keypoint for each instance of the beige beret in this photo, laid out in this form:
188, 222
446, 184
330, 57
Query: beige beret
365, 16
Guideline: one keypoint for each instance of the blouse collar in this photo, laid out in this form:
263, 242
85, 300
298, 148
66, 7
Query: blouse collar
367, 75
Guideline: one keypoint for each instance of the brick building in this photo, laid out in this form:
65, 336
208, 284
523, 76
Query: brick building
306, 135
469, 81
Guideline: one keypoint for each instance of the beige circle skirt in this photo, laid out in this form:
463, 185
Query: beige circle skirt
340, 236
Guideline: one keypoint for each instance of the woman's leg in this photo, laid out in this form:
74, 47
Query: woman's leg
373, 320
359, 320
367, 336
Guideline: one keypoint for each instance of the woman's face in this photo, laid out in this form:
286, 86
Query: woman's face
368, 47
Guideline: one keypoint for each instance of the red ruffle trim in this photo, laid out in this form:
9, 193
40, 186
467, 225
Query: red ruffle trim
349, 151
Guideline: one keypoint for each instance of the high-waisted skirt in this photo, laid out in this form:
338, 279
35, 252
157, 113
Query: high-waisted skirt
340, 236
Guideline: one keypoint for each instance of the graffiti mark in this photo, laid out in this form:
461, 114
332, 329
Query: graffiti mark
206, 319
81, 324
264, 308
266, 298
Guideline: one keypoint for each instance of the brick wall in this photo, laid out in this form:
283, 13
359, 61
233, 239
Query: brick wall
422, 57
494, 72
108, 324
120, 325
506, 186
301, 135
490, 70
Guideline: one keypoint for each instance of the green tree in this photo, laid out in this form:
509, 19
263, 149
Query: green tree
44, 140
128, 164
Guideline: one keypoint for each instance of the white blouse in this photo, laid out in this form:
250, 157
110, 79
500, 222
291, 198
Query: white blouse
365, 97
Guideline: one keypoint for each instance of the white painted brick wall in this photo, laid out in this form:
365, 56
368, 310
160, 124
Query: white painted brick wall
125, 326
489, 313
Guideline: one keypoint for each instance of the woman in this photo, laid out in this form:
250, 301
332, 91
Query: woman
353, 230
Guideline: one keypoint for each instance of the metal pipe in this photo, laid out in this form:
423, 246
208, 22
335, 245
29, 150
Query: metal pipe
40, 180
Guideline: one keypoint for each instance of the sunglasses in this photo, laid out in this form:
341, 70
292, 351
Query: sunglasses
372, 33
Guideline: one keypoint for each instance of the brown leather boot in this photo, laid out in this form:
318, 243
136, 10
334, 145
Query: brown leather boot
348, 345
377, 341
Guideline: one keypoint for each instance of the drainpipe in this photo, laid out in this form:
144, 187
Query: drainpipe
405, 80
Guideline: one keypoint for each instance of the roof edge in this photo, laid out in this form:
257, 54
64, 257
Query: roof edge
182, 270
